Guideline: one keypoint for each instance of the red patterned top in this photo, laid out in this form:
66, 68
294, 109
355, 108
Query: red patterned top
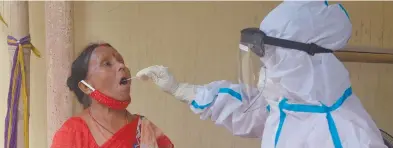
139, 133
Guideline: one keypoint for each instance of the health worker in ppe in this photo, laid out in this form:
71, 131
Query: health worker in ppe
293, 92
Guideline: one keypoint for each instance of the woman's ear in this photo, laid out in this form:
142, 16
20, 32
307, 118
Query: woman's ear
84, 88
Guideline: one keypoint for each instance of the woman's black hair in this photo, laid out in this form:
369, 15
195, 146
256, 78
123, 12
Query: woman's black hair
79, 72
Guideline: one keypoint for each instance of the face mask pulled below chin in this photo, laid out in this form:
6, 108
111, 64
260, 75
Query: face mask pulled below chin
106, 100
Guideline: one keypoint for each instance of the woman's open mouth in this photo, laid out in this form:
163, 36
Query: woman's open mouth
124, 81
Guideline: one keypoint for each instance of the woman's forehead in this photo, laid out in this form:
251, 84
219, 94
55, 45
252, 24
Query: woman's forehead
103, 51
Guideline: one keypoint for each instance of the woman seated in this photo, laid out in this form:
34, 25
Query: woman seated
99, 80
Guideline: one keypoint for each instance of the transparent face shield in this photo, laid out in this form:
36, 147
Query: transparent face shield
252, 75
250, 66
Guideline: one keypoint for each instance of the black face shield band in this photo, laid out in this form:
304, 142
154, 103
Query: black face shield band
255, 39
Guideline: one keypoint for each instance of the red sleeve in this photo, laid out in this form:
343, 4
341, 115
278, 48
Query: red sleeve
68, 136
164, 142
149, 128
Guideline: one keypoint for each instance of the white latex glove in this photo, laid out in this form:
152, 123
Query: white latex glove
165, 80
160, 76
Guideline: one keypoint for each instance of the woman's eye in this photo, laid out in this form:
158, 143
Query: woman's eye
107, 64
121, 60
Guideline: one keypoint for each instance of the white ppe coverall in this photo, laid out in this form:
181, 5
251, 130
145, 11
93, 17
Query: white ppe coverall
307, 101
